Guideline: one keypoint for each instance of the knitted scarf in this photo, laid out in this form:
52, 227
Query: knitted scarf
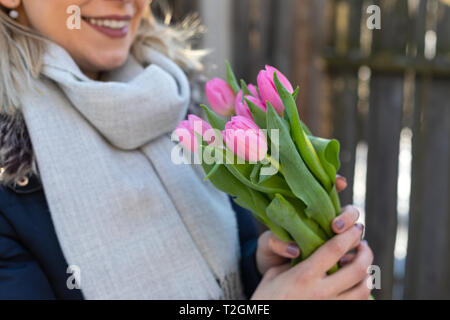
136, 225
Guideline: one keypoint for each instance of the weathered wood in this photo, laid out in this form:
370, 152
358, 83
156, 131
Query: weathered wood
308, 43
216, 17
253, 36
428, 259
385, 116
284, 30
385, 123
410, 281
344, 102
443, 35
345, 116
290, 34
428, 255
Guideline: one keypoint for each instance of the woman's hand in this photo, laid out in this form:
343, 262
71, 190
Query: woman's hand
309, 279
273, 252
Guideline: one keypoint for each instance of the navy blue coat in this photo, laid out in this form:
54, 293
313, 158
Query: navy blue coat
32, 265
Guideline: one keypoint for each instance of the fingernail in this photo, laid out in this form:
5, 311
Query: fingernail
343, 179
340, 224
292, 249
343, 261
360, 226
364, 242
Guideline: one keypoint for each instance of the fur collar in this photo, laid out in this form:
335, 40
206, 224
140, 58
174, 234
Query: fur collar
16, 152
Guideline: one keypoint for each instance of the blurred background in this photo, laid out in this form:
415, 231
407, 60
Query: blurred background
383, 93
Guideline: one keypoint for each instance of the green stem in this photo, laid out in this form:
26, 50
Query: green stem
274, 163
335, 200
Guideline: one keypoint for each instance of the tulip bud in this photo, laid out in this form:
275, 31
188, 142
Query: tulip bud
245, 139
221, 97
242, 108
254, 91
187, 128
268, 89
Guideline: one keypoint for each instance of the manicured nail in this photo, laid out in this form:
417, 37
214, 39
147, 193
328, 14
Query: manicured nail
343, 261
360, 226
364, 242
340, 224
292, 249
343, 179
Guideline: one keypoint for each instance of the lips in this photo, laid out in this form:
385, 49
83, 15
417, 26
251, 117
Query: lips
111, 26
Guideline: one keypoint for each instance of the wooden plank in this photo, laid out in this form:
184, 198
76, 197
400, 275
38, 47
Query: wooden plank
241, 30
308, 43
410, 280
385, 116
283, 35
253, 36
443, 35
344, 98
428, 266
217, 19
345, 119
428, 260
385, 123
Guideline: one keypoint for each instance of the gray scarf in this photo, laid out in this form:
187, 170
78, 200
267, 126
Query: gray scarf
135, 224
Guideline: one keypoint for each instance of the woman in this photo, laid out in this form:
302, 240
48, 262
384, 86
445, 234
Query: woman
91, 205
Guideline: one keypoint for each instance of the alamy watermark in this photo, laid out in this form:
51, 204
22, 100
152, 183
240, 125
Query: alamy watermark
74, 280
374, 20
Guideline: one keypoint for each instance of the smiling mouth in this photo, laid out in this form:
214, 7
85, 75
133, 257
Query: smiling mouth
111, 26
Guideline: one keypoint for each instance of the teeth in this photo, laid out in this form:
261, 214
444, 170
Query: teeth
112, 24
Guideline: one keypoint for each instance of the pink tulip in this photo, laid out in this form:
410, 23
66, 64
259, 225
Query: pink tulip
254, 91
268, 90
187, 128
220, 96
242, 108
245, 139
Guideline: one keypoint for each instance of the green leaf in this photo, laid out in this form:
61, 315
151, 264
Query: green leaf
300, 139
259, 116
295, 94
254, 176
249, 199
245, 90
313, 225
328, 153
335, 200
305, 128
216, 121
232, 79
213, 170
242, 172
284, 214
265, 177
300, 180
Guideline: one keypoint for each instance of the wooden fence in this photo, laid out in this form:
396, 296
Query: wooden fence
360, 85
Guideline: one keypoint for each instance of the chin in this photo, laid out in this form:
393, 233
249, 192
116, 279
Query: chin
107, 62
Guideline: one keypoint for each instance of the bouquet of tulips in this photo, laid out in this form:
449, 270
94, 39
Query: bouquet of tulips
266, 158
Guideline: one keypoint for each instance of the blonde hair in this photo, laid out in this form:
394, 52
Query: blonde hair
23, 48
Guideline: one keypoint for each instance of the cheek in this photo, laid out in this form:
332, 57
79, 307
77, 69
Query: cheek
49, 17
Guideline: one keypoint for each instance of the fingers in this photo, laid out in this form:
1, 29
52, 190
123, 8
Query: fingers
275, 271
276, 246
360, 292
347, 219
341, 183
332, 251
353, 272
346, 259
